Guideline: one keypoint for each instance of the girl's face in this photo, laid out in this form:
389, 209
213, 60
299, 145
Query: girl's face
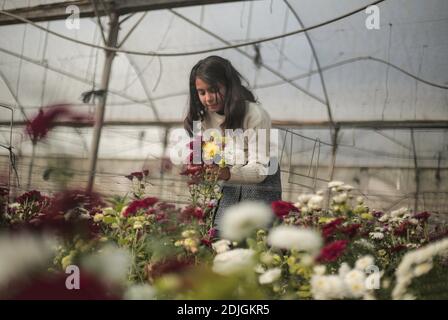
212, 98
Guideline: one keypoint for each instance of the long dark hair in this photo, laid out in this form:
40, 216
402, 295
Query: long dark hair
214, 70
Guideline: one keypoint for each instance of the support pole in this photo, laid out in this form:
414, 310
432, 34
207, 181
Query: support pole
101, 106
417, 172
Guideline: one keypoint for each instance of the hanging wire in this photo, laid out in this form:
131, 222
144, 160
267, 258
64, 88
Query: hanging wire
151, 53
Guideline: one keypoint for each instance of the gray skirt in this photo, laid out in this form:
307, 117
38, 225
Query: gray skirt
268, 190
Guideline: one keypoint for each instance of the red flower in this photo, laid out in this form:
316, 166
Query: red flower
136, 205
40, 125
331, 227
332, 251
401, 229
351, 230
31, 196
190, 212
422, 216
283, 208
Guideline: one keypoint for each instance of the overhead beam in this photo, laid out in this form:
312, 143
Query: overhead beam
57, 11
405, 124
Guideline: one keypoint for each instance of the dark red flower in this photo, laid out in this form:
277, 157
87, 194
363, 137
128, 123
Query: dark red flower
138, 175
31, 196
401, 229
377, 214
330, 228
139, 204
283, 208
423, 216
191, 212
350, 230
332, 251
41, 124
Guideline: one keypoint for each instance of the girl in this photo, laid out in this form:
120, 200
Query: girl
220, 101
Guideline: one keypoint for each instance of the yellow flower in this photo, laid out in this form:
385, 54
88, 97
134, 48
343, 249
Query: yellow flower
367, 216
98, 217
325, 219
210, 150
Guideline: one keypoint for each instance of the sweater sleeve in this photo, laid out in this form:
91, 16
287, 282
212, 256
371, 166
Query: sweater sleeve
256, 168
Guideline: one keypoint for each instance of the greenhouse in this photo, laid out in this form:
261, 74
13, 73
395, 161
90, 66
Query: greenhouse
94, 94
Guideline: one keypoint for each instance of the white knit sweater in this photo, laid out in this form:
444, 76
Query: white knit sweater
256, 161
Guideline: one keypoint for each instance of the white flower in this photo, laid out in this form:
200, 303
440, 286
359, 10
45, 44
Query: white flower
138, 225
346, 187
344, 269
335, 184
364, 262
360, 200
413, 221
270, 276
376, 235
304, 198
399, 212
327, 287
259, 269
319, 270
340, 198
365, 244
140, 292
110, 263
405, 271
355, 282
233, 261
307, 260
315, 202
14, 205
300, 239
384, 218
266, 258
240, 220
221, 246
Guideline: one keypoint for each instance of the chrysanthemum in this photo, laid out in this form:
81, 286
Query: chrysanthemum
242, 219
300, 239
233, 261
